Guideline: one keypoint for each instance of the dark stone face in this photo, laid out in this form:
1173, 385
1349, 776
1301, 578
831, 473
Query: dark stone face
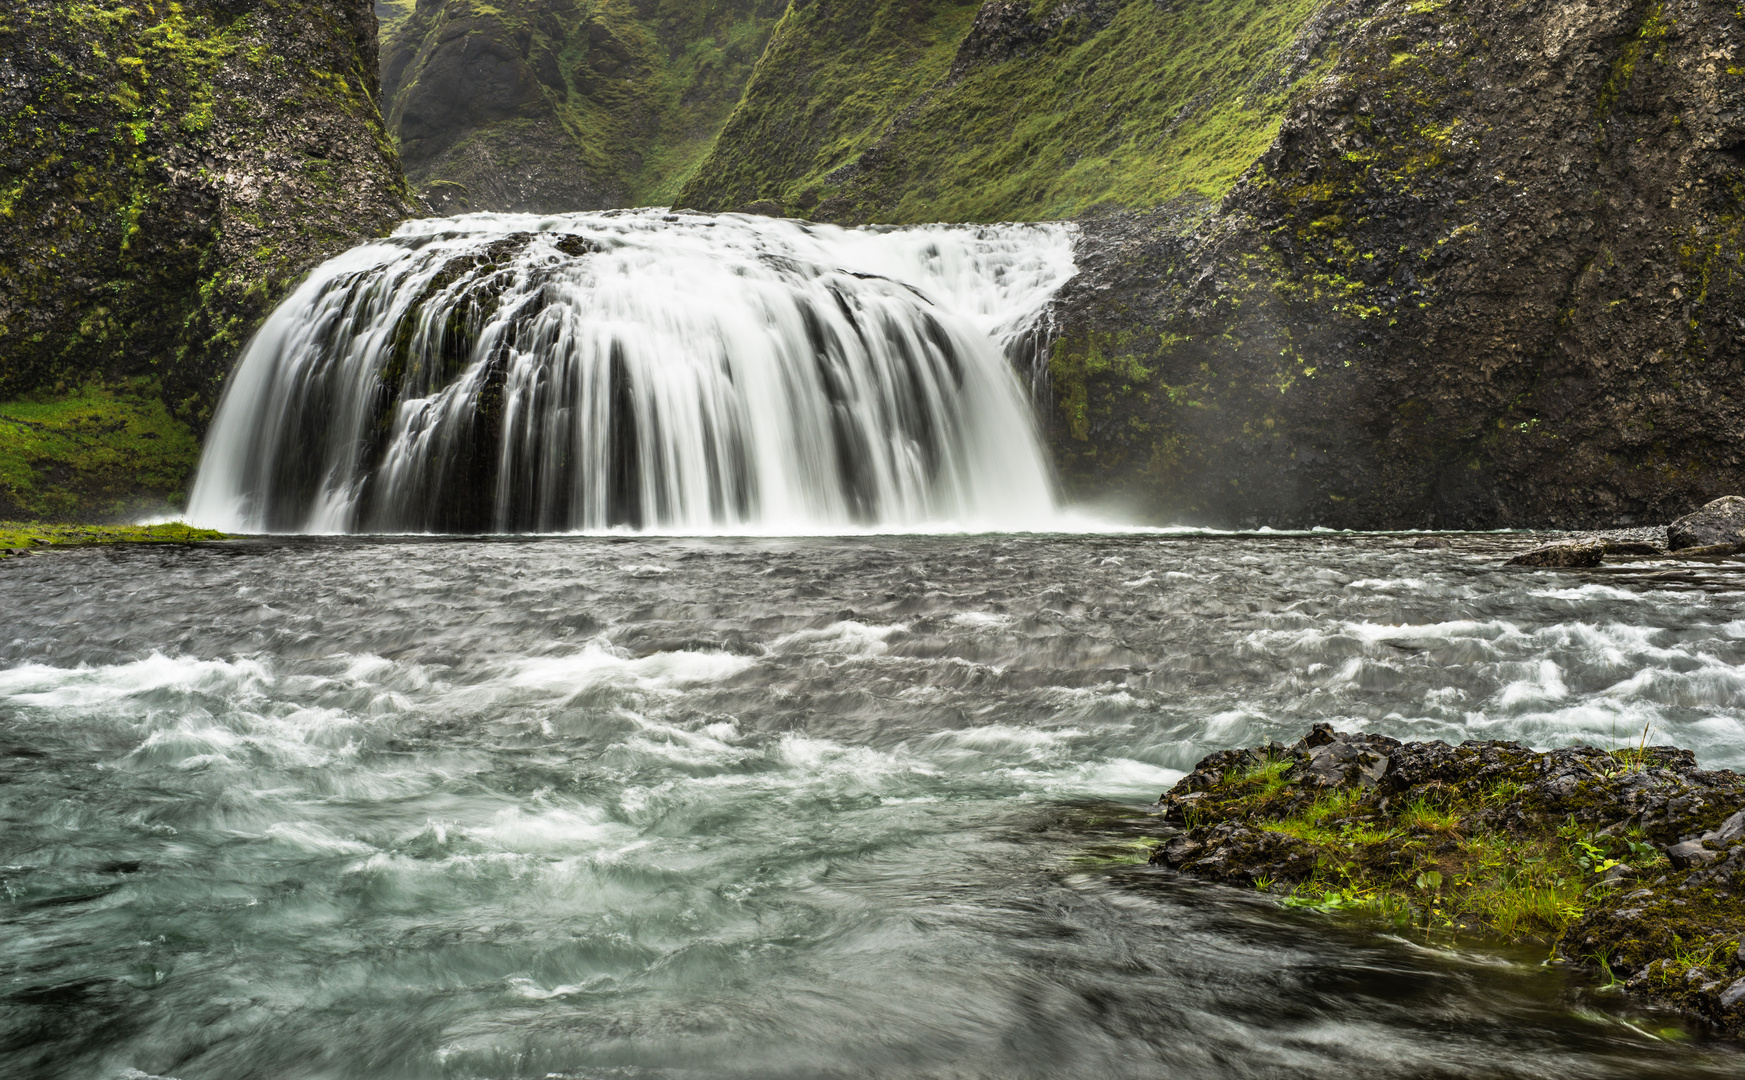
470, 78
1471, 285
1720, 522
546, 106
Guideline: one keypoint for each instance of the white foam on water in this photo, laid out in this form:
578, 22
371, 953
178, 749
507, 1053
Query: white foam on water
848, 637
598, 665
86, 686
315, 839
980, 620
1540, 681
1389, 584
1595, 591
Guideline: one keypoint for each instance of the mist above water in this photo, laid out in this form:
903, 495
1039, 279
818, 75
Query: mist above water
639, 370
598, 807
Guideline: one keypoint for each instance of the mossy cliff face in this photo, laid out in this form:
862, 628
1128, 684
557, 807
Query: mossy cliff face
904, 111
1488, 273
167, 171
97, 453
548, 105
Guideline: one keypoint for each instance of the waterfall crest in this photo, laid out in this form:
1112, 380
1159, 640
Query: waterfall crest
642, 370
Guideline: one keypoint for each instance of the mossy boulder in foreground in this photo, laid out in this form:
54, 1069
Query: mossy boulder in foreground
1631, 861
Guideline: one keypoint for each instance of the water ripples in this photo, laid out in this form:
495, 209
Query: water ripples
656, 808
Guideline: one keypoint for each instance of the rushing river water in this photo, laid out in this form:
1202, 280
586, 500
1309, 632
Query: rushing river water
593, 807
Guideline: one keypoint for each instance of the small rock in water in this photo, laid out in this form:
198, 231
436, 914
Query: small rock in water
1631, 547
1719, 522
1566, 553
1426, 543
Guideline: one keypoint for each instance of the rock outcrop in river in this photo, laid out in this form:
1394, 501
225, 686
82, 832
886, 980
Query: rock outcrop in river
1632, 860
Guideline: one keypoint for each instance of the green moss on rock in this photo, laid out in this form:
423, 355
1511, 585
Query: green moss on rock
1631, 861
19, 538
550, 105
167, 171
98, 453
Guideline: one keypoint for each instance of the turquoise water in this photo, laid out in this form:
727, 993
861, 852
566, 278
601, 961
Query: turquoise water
761, 808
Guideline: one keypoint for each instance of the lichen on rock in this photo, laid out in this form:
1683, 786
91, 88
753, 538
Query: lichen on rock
1631, 861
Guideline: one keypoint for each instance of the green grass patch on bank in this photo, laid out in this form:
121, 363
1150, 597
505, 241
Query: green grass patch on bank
20, 536
94, 454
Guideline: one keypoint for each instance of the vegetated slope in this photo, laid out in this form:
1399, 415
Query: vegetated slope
167, 171
1491, 272
901, 111
550, 105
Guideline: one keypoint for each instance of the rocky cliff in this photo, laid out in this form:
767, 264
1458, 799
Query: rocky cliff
1489, 273
167, 171
1364, 263
547, 105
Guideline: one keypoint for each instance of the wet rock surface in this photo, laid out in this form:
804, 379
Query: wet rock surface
1564, 553
1719, 523
1459, 290
1632, 861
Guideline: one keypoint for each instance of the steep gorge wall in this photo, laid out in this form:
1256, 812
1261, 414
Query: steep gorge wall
1490, 273
167, 171
551, 105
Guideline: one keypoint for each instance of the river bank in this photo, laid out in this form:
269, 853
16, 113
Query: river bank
1627, 860
31, 537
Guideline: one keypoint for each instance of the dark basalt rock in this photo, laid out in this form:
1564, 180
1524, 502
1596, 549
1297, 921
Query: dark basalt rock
1488, 326
1678, 941
1568, 553
1631, 547
1720, 523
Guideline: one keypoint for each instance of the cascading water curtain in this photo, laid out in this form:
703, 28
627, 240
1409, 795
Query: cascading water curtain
642, 370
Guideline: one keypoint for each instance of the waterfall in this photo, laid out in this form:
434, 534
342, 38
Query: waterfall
643, 370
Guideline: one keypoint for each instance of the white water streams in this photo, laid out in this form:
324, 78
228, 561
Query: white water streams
644, 370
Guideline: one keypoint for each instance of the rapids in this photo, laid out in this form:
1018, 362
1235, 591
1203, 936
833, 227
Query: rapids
867, 806
643, 370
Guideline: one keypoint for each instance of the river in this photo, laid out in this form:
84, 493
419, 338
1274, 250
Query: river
862, 806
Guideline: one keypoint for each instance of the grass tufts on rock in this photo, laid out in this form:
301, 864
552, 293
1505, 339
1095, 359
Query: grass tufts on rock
18, 538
